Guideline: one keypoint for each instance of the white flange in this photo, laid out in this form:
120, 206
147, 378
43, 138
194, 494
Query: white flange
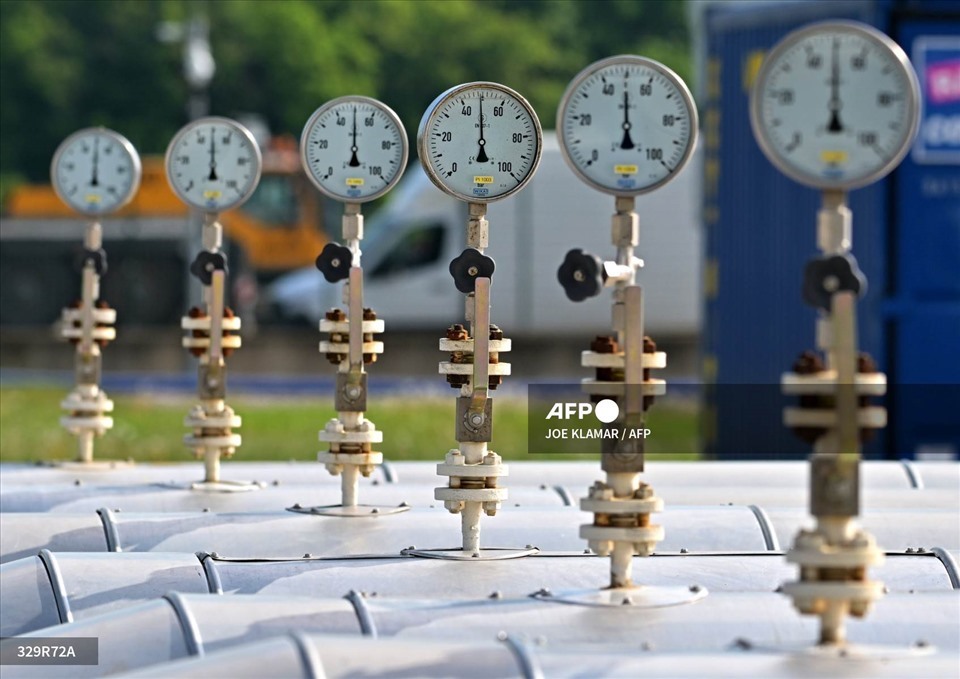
447, 368
592, 359
825, 383
344, 347
870, 417
466, 346
366, 327
603, 388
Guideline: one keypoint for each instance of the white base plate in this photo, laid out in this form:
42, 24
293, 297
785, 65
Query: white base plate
216, 486
485, 553
359, 511
633, 597
846, 651
92, 466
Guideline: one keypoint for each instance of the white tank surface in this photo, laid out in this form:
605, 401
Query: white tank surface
176, 626
54, 588
311, 656
874, 474
290, 534
153, 497
896, 529
300, 472
81, 585
286, 534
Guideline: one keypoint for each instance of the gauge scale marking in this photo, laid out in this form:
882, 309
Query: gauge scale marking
95, 171
835, 105
627, 125
480, 142
213, 164
354, 149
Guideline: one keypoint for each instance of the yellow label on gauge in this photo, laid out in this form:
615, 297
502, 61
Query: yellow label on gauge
625, 169
354, 181
483, 179
93, 198
833, 157
212, 194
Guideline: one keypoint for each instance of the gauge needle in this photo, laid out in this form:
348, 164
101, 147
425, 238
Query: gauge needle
94, 181
482, 153
354, 161
627, 142
835, 126
213, 157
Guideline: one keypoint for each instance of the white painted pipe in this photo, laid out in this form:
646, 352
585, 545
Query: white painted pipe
470, 526
350, 485
85, 446
211, 465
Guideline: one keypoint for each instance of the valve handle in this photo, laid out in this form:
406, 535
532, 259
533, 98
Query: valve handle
97, 257
825, 276
334, 261
206, 263
470, 265
581, 275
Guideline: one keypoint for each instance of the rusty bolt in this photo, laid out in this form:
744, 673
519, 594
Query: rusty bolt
495, 332
335, 315
649, 346
457, 332
369, 315
604, 344
197, 312
808, 363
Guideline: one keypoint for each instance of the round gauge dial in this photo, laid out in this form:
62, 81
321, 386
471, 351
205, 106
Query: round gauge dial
354, 149
95, 171
835, 105
213, 164
480, 142
627, 125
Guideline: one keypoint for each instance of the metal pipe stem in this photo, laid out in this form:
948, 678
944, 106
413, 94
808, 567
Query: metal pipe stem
211, 465
349, 485
470, 527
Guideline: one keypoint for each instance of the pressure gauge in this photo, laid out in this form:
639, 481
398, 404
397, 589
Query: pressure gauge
213, 164
354, 149
627, 125
480, 142
835, 105
95, 171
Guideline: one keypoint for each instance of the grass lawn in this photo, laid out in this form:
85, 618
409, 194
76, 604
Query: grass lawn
149, 428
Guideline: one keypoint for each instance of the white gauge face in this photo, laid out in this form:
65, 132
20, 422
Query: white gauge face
835, 105
95, 171
480, 142
213, 164
354, 149
627, 125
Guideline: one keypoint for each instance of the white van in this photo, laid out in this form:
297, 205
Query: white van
409, 243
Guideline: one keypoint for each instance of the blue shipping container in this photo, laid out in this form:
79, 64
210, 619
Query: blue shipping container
760, 231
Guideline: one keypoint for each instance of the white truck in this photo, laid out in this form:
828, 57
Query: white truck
409, 243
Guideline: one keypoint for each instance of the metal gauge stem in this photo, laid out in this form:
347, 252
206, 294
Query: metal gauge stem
835, 105
354, 149
480, 142
627, 125
95, 171
213, 164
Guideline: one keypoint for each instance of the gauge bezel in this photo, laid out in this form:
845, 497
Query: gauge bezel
632, 60
788, 42
128, 148
356, 99
239, 129
433, 111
